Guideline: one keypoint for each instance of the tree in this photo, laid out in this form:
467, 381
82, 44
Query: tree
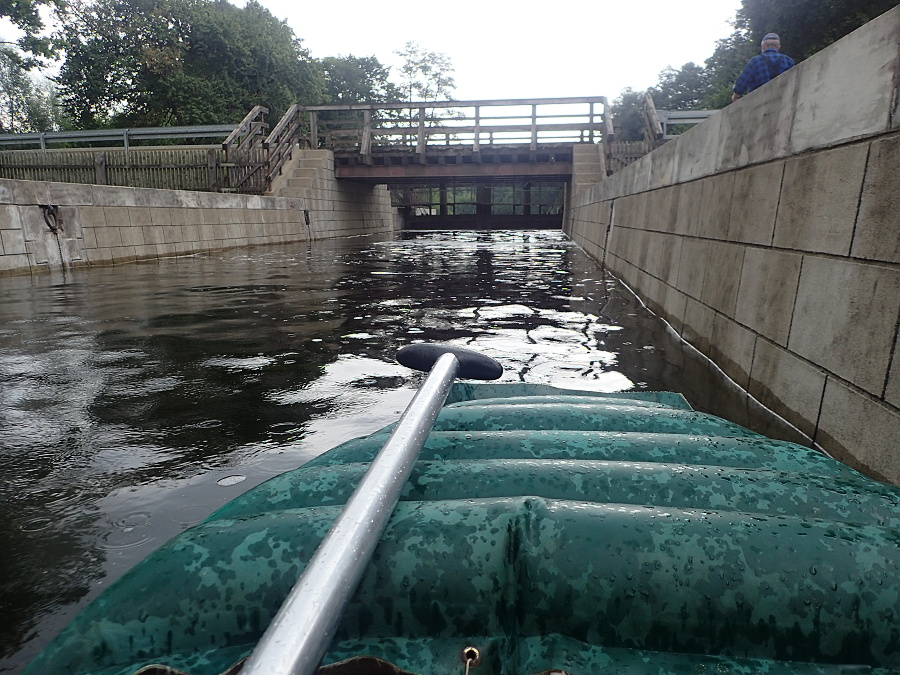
352, 79
181, 62
805, 27
725, 65
628, 115
808, 26
25, 15
25, 104
676, 89
427, 76
680, 89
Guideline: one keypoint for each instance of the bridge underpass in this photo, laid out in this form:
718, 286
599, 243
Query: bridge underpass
467, 164
518, 203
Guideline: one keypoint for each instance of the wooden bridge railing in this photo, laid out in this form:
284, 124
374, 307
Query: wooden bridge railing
418, 126
245, 154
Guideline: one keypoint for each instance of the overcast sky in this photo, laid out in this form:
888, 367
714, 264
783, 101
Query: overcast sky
503, 49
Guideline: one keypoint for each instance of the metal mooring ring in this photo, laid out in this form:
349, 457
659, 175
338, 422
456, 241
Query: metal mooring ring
51, 211
471, 656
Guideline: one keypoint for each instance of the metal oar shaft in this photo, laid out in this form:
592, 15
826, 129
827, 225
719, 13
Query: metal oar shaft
300, 633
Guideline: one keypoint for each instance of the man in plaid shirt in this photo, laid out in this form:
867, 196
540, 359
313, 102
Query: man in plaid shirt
762, 68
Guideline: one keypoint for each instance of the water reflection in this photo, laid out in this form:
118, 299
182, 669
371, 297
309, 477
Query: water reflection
137, 399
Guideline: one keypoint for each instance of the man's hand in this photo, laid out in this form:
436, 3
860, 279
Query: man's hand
735, 97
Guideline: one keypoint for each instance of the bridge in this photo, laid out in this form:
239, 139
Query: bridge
485, 163
510, 163
481, 164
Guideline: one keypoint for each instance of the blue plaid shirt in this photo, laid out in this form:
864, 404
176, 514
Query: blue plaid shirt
760, 70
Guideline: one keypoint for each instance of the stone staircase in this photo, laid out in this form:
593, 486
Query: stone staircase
309, 175
588, 166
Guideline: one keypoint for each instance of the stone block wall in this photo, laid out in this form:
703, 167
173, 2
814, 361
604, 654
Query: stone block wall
355, 208
106, 225
769, 237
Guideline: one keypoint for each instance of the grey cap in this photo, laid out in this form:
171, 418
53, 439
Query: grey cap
771, 36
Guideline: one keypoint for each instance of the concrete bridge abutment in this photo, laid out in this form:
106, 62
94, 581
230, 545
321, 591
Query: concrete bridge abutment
769, 238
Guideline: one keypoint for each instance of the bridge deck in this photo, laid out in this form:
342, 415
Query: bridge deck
402, 165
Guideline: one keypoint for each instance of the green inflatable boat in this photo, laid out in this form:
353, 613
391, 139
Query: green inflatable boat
540, 530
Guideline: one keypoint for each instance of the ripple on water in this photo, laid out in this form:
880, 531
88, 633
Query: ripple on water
250, 363
192, 514
129, 531
36, 524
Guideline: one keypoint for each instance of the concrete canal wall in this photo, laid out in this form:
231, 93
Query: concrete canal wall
108, 225
769, 237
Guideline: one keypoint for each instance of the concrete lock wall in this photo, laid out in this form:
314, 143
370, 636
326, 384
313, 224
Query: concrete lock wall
107, 225
769, 237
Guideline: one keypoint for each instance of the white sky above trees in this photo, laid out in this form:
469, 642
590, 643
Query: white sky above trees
503, 49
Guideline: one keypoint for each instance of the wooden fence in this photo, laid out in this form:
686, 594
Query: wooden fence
239, 164
620, 154
204, 168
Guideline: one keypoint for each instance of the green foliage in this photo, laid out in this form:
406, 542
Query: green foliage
352, 79
181, 62
680, 89
427, 76
25, 15
26, 104
628, 116
725, 65
805, 27
808, 26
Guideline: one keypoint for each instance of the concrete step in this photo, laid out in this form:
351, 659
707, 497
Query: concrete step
303, 172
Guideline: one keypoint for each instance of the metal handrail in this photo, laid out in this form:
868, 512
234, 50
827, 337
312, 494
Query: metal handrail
673, 117
302, 629
43, 138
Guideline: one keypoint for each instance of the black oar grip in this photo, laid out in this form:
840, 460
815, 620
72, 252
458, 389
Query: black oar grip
472, 365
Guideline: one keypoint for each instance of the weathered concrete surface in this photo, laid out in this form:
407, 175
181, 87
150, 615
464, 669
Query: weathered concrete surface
107, 225
345, 206
824, 191
876, 236
768, 237
772, 275
845, 319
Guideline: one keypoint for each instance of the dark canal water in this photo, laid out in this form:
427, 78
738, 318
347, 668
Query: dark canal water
137, 399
